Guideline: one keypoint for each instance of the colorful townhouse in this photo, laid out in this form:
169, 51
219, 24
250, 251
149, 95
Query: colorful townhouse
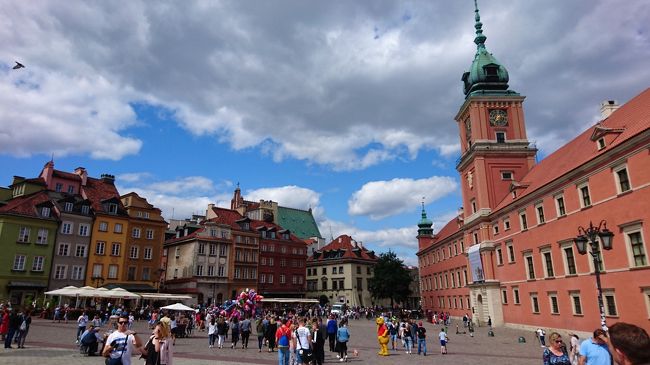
146, 234
512, 254
28, 226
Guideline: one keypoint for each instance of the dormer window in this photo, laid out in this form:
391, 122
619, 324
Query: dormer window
491, 72
111, 208
245, 226
272, 235
67, 207
85, 209
45, 211
285, 236
58, 187
601, 143
506, 175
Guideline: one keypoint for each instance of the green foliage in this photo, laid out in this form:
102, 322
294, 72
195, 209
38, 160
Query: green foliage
391, 279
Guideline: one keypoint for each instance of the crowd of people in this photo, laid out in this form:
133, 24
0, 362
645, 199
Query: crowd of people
301, 335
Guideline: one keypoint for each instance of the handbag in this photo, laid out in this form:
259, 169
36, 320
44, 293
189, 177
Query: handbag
307, 355
118, 361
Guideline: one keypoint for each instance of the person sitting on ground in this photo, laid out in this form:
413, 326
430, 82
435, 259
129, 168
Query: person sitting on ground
90, 339
628, 344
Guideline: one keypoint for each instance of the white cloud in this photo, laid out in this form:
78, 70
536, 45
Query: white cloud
190, 184
380, 199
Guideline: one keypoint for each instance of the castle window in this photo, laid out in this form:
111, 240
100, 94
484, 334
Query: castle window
501, 137
601, 143
506, 175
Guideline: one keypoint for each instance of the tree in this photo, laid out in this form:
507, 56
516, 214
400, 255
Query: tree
391, 279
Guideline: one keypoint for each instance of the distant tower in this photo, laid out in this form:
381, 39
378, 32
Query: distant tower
494, 148
425, 226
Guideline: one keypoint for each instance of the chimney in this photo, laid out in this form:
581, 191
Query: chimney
209, 214
607, 107
109, 179
83, 174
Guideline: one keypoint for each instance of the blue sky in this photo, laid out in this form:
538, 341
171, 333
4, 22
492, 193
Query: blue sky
345, 107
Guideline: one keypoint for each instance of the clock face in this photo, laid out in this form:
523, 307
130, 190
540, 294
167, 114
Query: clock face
498, 117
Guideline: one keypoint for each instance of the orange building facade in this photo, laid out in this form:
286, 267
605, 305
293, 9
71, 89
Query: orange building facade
510, 255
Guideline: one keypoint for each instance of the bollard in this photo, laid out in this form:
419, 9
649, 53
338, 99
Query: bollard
490, 333
521, 339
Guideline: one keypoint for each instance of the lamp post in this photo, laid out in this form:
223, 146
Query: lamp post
589, 235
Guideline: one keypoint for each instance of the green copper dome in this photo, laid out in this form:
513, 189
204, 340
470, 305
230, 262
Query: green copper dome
425, 224
486, 75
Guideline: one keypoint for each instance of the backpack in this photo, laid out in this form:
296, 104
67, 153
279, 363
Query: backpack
284, 339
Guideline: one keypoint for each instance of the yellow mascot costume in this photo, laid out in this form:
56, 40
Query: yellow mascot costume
382, 336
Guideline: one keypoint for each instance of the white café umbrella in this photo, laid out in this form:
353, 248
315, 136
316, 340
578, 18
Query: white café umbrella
70, 291
120, 293
178, 307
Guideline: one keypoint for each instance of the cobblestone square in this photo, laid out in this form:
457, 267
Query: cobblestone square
53, 344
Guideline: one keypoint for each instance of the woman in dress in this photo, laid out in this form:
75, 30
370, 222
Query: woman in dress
556, 353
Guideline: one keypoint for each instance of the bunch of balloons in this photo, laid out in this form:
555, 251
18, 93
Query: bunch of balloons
245, 303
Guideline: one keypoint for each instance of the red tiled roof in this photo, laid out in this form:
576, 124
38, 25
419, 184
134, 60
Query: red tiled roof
632, 118
344, 244
226, 216
25, 205
66, 175
97, 191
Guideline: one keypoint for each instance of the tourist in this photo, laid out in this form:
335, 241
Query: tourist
158, 350
628, 344
283, 339
25, 322
574, 348
342, 337
319, 334
89, 340
82, 323
259, 329
245, 328
443, 341
594, 351
332, 327
271, 329
13, 321
222, 329
422, 342
392, 330
541, 336
212, 332
4, 323
407, 337
234, 327
121, 343
556, 353
303, 341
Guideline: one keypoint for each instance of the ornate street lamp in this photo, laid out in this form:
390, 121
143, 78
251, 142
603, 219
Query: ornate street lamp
589, 236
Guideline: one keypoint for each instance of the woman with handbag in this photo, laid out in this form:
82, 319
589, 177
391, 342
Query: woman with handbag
158, 350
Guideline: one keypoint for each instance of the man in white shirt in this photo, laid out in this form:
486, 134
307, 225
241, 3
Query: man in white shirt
82, 322
121, 343
303, 340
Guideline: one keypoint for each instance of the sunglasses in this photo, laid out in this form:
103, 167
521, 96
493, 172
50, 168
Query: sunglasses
558, 341
122, 322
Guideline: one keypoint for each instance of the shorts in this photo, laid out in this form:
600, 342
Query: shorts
443, 343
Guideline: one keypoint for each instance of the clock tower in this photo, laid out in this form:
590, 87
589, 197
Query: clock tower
494, 148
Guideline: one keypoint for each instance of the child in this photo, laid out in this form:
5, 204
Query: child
443, 341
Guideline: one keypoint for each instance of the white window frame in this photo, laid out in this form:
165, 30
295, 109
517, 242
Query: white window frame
148, 253
544, 252
527, 264
606, 293
41, 238
581, 197
118, 227
532, 303
576, 294
506, 224
523, 221
84, 230
77, 272
67, 207
617, 178
551, 296
556, 199
541, 218
23, 234
149, 233
646, 296
510, 251
135, 232
38, 262
627, 231
499, 254
67, 227
103, 227
504, 296
100, 248
113, 271
60, 272
134, 252
83, 248
516, 298
98, 270
116, 247
63, 249
565, 261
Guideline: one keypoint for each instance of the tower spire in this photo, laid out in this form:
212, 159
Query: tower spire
480, 38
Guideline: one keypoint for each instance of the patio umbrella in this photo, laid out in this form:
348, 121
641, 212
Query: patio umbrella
178, 307
121, 293
65, 291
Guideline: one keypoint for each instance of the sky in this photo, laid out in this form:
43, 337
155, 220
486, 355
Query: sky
345, 107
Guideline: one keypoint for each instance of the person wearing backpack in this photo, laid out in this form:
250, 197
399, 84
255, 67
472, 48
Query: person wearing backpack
283, 338
342, 337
